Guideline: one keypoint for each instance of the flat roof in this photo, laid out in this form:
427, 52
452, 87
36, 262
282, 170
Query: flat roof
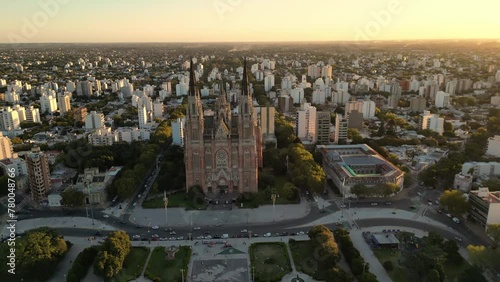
362, 160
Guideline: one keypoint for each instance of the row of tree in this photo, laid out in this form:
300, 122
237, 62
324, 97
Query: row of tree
110, 258
382, 189
37, 255
327, 254
359, 267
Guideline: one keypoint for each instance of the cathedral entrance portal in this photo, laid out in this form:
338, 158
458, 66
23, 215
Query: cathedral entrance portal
223, 189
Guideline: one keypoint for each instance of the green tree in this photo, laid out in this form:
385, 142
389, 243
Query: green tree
454, 201
125, 187
472, 274
72, 197
109, 261
432, 276
337, 274
493, 231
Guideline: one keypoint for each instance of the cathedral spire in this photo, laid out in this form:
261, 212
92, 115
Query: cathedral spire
244, 81
192, 81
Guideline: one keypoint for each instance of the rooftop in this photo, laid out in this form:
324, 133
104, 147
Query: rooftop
385, 239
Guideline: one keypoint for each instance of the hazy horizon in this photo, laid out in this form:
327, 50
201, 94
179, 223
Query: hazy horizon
240, 21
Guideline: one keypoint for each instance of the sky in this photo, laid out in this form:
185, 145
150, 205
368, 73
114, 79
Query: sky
36, 21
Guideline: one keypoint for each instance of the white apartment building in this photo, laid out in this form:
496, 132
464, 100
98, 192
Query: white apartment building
341, 97
12, 97
178, 131
297, 94
94, 120
143, 116
158, 109
102, 137
495, 100
306, 123
33, 114
268, 82
64, 102
478, 169
18, 164
367, 107
494, 146
442, 99
485, 206
21, 112
48, 103
6, 151
10, 119
432, 122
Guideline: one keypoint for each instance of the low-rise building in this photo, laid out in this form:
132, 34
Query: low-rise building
485, 206
349, 165
93, 184
463, 182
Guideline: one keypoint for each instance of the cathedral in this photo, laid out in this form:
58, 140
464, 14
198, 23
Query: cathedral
223, 148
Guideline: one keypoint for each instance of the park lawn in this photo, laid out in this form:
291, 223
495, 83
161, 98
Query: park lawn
270, 261
398, 274
175, 200
454, 271
133, 264
303, 258
168, 270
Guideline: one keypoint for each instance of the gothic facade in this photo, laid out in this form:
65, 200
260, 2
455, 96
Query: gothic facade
223, 151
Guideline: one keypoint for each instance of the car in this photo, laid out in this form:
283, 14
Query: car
255, 235
156, 227
342, 206
134, 205
388, 203
440, 211
448, 215
374, 204
218, 225
172, 233
105, 216
98, 233
168, 229
244, 231
180, 238
136, 236
138, 226
217, 237
267, 235
429, 203
122, 222
419, 193
155, 236
413, 207
200, 237
140, 195
284, 234
456, 220
197, 228
31, 209
458, 239
436, 202
421, 184
208, 237
300, 233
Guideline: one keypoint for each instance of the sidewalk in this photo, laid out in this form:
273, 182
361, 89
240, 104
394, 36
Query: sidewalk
182, 217
59, 222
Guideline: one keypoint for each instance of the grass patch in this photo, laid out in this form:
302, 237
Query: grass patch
160, 269
175, 200
271, 261
303, 258
398, 274
133, 264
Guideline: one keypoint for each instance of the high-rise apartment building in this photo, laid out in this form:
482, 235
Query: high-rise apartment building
418, 104
94, 120
10, 119
48, 103
323, 128
38, 174
432, 122
341, 129
5, 147
33, 114
64, 102
306, 123
178, 131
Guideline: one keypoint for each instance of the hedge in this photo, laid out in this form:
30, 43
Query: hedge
82, 264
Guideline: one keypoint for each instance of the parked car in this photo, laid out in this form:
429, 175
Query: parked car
456, 220
105, 216
244, 231
267, 235
374, 204
197, 228
156, 227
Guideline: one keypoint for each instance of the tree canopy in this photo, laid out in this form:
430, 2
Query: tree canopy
454, 201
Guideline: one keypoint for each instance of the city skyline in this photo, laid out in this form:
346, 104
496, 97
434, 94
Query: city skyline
67, 21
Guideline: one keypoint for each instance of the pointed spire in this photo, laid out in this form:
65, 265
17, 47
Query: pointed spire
244, 81
192, 80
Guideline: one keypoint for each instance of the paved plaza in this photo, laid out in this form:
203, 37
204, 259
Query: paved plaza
223, 270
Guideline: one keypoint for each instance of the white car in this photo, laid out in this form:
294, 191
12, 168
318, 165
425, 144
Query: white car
197, 228
105, 216
135, 204
155, 227
136, 236
244, 231
448, 215
208, 237
267, 235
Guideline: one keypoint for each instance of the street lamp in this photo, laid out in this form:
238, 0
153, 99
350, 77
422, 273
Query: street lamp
253, 273
89, 191
182, 275
165, 200
273, 197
